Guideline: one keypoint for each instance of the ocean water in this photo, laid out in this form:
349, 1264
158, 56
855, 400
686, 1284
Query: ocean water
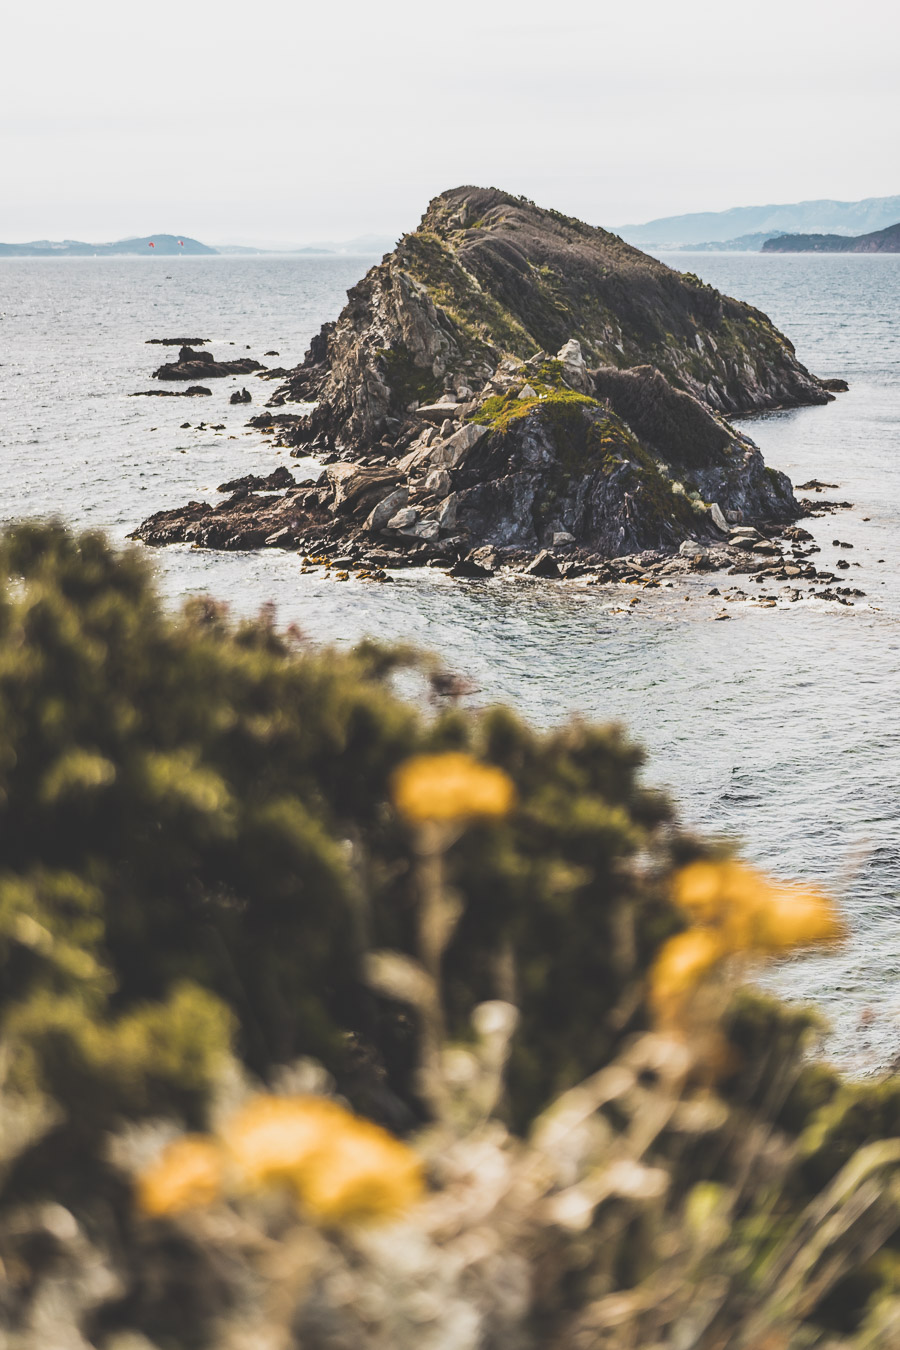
778, 728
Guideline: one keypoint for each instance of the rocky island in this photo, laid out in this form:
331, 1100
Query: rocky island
510, 385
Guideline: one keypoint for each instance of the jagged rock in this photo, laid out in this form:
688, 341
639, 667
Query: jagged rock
562, 539
251, 482
575, 371
468, 568
544, 565
527, 392
447, 513
437, 412
357, 489
717, 518
450, 453
438, 482
423, 529
380, 515
403, 519
485, 557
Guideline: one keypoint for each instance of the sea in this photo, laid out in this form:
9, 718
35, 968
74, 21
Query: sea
778, 729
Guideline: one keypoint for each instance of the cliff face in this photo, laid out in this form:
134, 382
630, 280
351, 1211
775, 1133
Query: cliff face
879, 241
487, 275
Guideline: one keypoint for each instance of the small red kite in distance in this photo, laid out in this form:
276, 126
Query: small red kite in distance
151, 244
181, 242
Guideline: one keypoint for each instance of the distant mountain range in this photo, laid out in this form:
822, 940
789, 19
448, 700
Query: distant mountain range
742, 226
878, 241
171, 244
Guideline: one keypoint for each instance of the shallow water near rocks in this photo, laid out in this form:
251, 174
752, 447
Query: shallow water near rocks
778, 727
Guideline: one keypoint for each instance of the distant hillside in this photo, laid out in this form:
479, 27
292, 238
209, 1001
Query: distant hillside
878, 241
744, 243
826, 216
74, 248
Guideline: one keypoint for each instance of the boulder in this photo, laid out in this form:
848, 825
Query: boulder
423, 529
357, 488
446, 515
437, 412
241, 396
575, 371
388, 506
438, 482
543, 565
451, 453
717, 518
403, 519
485, 557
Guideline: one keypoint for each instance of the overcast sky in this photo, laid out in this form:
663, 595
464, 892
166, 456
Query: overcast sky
283, 122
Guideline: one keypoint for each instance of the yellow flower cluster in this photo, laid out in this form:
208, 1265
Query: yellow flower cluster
187, 1176
734, 910
340, 1168
451, 787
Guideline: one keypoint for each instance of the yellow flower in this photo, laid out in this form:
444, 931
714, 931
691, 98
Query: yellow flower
365, 1174
680, 966
341, 1168
752, 913
448, 787
272, 1138
187, 1176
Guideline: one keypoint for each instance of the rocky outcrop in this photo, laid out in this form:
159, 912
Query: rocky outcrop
194, 365
446, 432
486, 276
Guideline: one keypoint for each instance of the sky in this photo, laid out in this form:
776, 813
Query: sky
287, 122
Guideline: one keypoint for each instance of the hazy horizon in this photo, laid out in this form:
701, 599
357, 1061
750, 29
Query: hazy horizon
301, 126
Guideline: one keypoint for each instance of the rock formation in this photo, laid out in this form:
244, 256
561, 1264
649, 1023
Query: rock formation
488, 275
194, 365
447, 428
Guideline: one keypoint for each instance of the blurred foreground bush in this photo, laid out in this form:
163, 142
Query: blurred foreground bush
261, 920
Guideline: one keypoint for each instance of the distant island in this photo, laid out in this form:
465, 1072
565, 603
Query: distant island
75, 248
877, 241
748, 227
169, 245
